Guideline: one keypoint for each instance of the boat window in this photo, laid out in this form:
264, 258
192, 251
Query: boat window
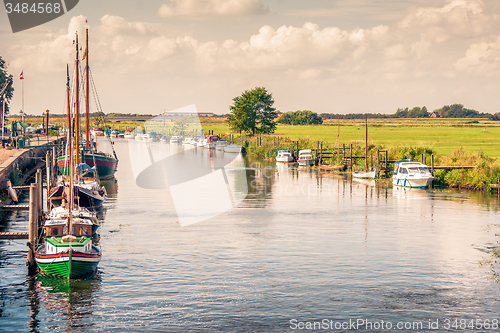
423, 170
403, 170
54, 231
413, 170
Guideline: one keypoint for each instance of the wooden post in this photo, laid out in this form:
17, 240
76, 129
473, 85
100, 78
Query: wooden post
350, 157
54, 165
39, 183
321, 153
425, 160
432, 164
386, 159
421, 158
371, 159
274, 141
33, 229
378, 158
48, 172
278, 141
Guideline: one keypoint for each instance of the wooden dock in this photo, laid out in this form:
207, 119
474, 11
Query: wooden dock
14, 235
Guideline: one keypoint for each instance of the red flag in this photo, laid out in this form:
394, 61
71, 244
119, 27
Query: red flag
21, 77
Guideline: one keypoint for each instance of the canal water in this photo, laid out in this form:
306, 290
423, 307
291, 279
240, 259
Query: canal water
303, 249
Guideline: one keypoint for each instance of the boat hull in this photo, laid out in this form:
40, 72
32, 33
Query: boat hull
70, 265
105, 165
413, 182
365, 175
83, 197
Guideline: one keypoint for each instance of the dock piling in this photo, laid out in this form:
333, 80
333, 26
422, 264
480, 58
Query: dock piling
33, 228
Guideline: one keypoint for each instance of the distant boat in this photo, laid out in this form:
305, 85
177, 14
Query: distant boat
365, 174
305, 157
113, 134
211, 141
221, 144
201, 142
328, 167
284, 156
97, 131
408, 173
187, 141
121, 135
129, 135
175, 139
232, 148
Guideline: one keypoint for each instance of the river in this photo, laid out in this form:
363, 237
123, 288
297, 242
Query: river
303, 250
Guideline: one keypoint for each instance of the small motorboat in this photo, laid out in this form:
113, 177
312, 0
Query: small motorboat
284, 156
305, 157
408, 173
232, 148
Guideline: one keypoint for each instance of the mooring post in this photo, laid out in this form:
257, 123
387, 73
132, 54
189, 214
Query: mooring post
432, 164
33, 229
278, 141
421, 158
321, 153
48, 167
274, 141
54, 165
350, 158
371, 159
39, 183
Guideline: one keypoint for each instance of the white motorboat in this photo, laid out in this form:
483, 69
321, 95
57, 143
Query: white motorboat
201, 142
175, 139
409, 173
305, 157
232, 148
284, 156
221, 144
187, 141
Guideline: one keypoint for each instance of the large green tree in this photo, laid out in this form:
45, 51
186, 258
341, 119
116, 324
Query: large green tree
4, 77
253, 112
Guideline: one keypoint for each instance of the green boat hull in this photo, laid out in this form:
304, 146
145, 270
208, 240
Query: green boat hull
105, 165
69, 270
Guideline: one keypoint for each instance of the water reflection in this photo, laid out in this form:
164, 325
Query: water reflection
65, 304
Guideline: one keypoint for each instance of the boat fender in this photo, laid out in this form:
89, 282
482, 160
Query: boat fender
12, 192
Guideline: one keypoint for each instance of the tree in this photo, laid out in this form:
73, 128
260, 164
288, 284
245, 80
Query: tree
304, 117
4, 77
253, 112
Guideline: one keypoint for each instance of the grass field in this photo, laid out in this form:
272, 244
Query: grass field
444, 138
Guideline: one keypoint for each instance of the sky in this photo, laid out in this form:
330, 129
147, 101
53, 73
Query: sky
328, 56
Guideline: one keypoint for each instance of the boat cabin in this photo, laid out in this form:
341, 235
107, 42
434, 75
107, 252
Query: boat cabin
57, 230
409, 167
213, 138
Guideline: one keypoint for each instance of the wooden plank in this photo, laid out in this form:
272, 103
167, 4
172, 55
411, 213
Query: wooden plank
495, 185
14, 235
453, 167
24, 187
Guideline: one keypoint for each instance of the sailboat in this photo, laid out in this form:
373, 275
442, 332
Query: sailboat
105, 164
68, 250
87, 191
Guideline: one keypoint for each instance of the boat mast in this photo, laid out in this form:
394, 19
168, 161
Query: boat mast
366, 144
77, 105
87, 138
70, 199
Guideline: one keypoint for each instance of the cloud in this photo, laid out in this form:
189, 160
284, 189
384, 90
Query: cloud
207, 8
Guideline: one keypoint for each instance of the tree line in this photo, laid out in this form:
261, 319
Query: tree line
447, 111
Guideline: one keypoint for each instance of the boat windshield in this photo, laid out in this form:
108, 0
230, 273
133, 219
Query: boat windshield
423, 170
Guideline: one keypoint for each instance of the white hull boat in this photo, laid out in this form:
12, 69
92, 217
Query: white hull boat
284, 156
411, 174
232, 148
305, 157
365, 174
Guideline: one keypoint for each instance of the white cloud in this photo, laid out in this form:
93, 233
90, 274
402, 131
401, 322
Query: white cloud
204, 8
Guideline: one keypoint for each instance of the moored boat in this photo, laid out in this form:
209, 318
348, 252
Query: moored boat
305, 157
365, 174
175, 139
221, 144
284, 156
408, 173
232, 148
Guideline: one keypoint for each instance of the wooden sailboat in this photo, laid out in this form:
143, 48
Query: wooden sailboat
367, 174
68, 251
87, 191
105, 164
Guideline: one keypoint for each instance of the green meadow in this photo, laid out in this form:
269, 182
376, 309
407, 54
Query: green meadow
443, 139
